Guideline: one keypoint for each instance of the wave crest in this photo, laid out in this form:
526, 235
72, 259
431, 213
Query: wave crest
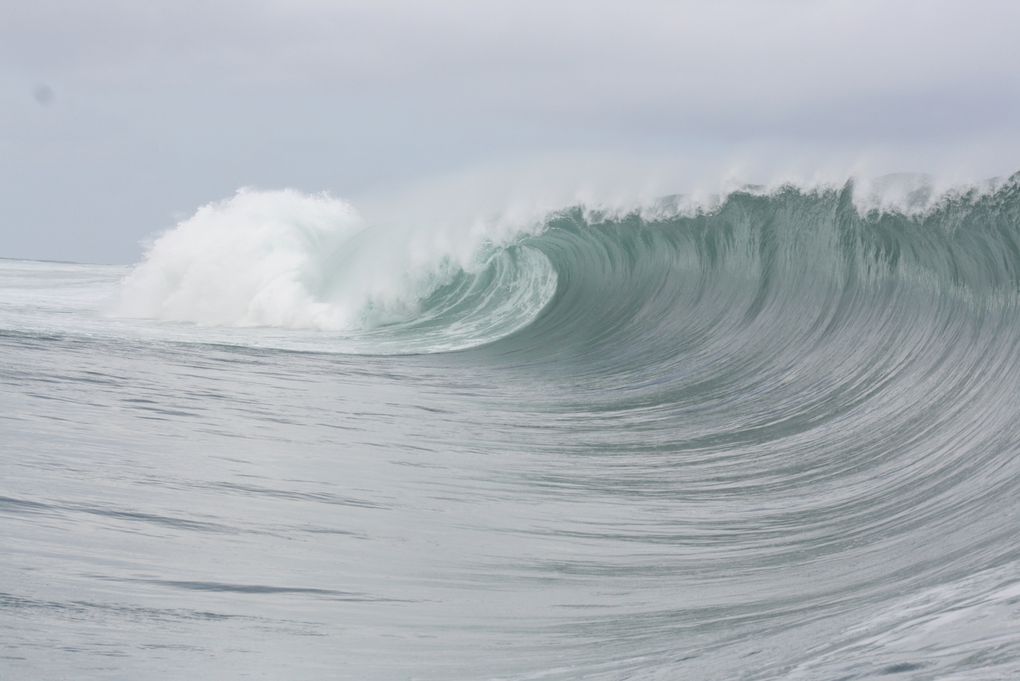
287, 260
284, 259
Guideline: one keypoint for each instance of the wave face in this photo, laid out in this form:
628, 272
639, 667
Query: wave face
774, 438
791, 271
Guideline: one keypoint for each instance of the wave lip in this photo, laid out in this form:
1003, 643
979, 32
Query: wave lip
287, 260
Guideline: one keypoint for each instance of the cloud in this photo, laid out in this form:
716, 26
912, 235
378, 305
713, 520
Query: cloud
552, 57
196, 98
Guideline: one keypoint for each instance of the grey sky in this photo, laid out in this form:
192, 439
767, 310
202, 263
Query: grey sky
117, 118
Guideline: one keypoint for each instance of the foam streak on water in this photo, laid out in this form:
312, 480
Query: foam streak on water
774, 439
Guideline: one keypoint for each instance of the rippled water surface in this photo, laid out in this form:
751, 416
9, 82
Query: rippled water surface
778, 440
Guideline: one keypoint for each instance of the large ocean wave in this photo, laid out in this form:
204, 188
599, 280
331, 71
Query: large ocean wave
772, 435
639, 274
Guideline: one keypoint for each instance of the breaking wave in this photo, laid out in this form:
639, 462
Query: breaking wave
769, 436
641, 275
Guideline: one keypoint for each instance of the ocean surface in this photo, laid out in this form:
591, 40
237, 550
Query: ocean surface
773, 437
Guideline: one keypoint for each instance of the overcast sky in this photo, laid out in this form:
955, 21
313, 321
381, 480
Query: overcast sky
119, 118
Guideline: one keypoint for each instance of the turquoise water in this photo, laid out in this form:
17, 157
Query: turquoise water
776, 438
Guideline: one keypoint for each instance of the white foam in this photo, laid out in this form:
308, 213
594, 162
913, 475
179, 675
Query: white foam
256, 259
288, 260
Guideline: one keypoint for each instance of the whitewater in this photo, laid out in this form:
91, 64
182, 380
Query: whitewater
771, 433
